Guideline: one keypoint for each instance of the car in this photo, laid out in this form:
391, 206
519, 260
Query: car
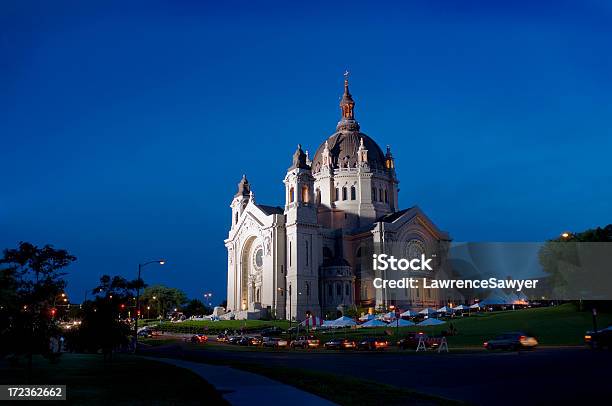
305, 342
222, 338
372, 343
274, 342
199, 338
340, 344
145, 333
244, 340
255, 340
599, 339
233, 339
511, 341
411, 340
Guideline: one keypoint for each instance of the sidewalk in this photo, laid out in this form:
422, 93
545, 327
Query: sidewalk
245, 388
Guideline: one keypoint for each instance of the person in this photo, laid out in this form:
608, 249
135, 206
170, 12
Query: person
451, 328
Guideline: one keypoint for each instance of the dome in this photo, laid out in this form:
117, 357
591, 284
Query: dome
343, 147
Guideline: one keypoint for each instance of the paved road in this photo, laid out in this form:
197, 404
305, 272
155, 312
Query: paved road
543, 376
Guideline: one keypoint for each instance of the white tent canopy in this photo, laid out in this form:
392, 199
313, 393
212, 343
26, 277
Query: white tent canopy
431, 322
477, 306
461, 307
343, 322
409, 313
428, 311
367, 317
401, 323
445, 309
389, 316
374, 323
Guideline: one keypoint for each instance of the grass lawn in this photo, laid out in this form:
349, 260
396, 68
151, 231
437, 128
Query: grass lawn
203, 326
559, 325
127, 380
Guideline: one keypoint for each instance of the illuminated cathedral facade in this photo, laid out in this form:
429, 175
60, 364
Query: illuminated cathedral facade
306, 258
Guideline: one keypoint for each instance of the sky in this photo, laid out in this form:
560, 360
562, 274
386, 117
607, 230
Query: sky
125, 126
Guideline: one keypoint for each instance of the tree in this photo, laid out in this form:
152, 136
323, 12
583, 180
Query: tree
105, 324
576, 264
196, 307
162, 298
31, 279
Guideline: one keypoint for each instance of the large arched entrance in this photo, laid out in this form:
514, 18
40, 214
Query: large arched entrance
251, 265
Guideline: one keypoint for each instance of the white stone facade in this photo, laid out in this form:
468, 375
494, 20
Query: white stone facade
306, 257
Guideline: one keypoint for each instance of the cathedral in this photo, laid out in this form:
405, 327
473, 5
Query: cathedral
313, 256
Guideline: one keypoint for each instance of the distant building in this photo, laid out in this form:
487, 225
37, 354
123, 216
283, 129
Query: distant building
306, 257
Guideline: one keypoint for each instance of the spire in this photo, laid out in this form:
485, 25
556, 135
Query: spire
347, 104
244, 188
389, 161
299, 159
362, 153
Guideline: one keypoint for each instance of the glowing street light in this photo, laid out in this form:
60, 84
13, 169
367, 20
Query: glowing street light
137, 312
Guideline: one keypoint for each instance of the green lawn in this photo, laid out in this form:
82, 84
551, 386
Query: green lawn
127, 380
560, 325
203, 326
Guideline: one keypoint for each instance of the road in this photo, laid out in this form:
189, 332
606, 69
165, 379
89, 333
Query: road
543, 376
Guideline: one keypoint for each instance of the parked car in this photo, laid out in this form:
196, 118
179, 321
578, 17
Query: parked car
372, 343
305, 342
244, 340
145, 332
233, 339
340, 344
411, 340
199, 338
222, 338
511, 341
255, 340
599, 339
274, 342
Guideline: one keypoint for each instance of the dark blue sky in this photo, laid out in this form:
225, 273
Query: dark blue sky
125, 129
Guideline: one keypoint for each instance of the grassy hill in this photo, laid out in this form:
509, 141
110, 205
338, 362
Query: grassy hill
559, 325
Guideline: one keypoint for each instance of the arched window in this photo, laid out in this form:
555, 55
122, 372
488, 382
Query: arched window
290, 253
373, 194
338, 289
291, 195
318, 197
330, 293
344, 197
236, 218
386, 196
307, 289
327, 253
353, 193
305, 198
307, 252
346, 290
336, 194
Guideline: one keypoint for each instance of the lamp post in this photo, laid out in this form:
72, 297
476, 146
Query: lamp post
208, 296
137, 310
285, 290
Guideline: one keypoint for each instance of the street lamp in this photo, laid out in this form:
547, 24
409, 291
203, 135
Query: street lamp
285, 290
208, 296
137, 310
